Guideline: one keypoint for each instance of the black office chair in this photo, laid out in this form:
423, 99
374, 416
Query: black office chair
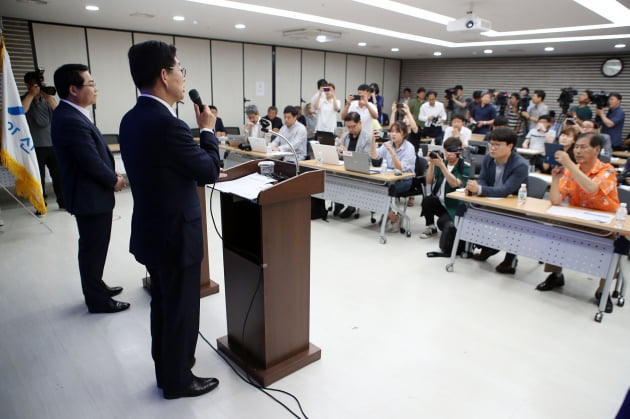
475, 153
400, 200
536, 187
232, 131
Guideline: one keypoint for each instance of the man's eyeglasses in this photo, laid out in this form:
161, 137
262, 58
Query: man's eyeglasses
495, 145
180, 68
91, 83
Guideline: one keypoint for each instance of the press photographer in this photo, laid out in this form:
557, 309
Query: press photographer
613, 120
38, 104
582, 112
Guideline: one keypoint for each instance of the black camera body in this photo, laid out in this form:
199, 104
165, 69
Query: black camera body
599, 99
523, 103
566, 98
435, 154
49, 90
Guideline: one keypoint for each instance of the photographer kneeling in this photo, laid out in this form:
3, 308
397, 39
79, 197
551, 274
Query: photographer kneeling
445, 173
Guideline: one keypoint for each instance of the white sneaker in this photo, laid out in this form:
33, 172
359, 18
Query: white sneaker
428, 232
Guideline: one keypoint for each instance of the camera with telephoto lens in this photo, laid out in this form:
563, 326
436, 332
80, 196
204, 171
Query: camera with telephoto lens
49, 90
523, 103
599, 99
435, 154
566, 97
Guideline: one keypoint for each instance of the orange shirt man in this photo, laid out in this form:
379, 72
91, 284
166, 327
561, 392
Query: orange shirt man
589, 183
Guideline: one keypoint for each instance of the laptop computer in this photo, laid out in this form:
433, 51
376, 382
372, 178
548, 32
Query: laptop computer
325, 138
358, 162
328, 152
260, 145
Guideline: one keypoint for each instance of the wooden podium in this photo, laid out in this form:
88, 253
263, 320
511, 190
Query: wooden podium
206, 285
266, 258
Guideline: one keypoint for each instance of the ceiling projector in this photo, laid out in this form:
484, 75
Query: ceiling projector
469, 23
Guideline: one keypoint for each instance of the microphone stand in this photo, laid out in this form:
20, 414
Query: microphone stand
265, 124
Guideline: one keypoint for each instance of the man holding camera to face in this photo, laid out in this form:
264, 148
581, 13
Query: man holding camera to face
39, 103
359, 103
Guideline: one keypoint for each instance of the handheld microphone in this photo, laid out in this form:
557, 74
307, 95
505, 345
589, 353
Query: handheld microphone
194, 96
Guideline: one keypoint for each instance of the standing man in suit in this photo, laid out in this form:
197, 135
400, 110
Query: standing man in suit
88, 181
165, 166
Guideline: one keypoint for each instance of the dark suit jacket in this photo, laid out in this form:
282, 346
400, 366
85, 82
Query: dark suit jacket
515, 172
164, 166
85, 162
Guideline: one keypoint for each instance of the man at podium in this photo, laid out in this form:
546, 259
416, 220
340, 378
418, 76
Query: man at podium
165, 165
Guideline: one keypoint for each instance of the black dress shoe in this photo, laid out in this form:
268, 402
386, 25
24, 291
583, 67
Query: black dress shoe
338, 208
507, 266
111, 291
348, 212
192, 364
485, 253
554, 280
111, 306
197, 387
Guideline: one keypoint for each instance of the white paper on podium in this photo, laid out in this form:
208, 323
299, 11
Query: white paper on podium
247, 187
581, 214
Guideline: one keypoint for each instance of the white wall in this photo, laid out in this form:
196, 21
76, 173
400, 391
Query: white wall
194, 54
223, 72
116, 95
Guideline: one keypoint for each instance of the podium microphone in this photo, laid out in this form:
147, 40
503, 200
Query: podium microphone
265, 124
194, 96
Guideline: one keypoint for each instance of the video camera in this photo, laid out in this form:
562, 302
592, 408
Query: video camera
38, 75
448, 95
599, 99
523, 103
566, 97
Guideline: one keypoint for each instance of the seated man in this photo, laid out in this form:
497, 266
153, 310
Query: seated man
445, 174
458, 130
252, 127
356, 139
272, 116
590, 184
294, 132
503, 171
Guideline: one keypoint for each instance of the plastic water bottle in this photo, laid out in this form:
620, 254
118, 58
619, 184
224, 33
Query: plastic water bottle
622, 214
320, 159
522, 194
384, 166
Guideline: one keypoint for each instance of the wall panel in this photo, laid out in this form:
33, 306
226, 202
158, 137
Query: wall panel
227, 81
391, 82
194, 54
312, 70
116, 95
336, 73
258, 80
139, 37
355, 73
288, 76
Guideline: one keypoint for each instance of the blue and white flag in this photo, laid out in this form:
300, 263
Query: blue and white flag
17, 151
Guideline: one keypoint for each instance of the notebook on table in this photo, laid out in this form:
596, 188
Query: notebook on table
236, 140
358, 162
328, 152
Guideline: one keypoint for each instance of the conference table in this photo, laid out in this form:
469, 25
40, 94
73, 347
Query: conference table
365, 191
547, 233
